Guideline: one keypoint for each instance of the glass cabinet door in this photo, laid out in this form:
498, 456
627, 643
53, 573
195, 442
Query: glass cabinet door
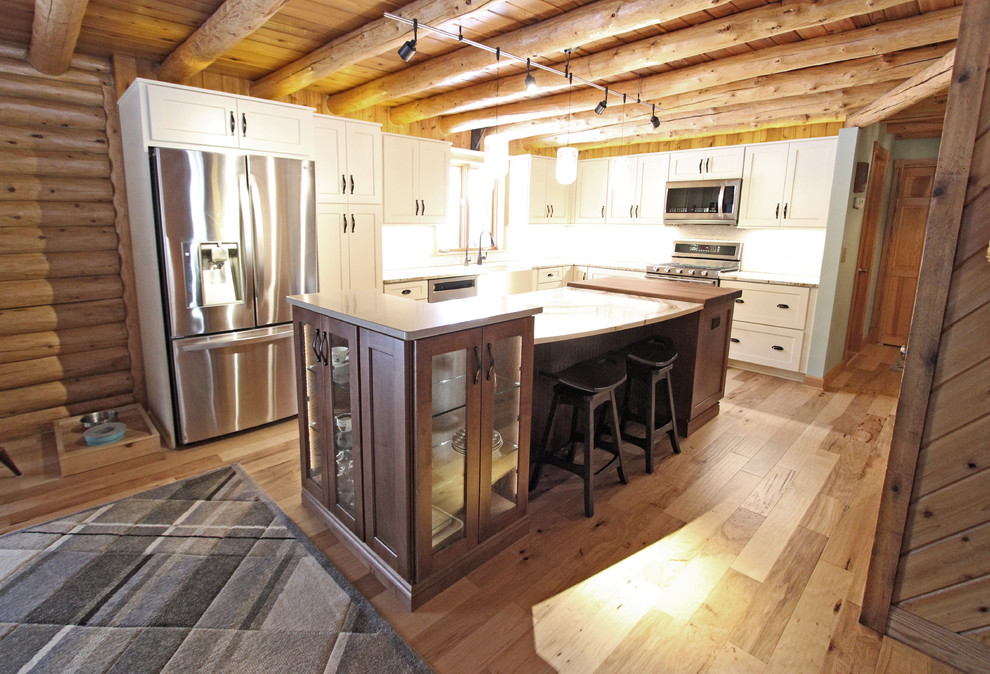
312, 396
343, 421
505, 425
449, 380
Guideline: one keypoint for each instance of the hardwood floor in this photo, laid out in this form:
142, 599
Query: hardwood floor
745, 553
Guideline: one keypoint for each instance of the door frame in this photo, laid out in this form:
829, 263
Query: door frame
873, 216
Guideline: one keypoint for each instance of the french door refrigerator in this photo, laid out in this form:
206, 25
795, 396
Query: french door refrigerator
235, 234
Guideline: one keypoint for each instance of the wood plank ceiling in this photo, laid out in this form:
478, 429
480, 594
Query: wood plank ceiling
710, 66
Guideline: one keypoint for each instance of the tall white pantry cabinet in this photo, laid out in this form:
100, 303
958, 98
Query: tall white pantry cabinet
348, 203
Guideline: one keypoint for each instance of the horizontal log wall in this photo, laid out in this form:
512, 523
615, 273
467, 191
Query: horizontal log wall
64, 347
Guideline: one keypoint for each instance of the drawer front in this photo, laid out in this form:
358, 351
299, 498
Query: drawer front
548, 274
779, 306
773, 347
546, 285
413, 291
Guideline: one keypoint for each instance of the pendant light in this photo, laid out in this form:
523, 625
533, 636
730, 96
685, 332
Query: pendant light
567, 156
622, 166
496, 147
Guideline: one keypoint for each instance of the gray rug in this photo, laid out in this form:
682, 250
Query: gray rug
204, 575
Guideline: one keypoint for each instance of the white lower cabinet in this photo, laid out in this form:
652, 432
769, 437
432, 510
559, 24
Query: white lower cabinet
769, 325
349, 247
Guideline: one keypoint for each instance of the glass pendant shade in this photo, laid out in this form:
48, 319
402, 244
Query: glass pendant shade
567, 162
621, 169
496, 155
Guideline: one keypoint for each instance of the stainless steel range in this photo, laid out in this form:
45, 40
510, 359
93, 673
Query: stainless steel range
698, 261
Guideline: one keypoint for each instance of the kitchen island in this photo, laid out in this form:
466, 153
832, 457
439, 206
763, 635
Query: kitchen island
416, 419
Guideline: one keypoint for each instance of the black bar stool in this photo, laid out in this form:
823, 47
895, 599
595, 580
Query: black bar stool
585, 387
649, 362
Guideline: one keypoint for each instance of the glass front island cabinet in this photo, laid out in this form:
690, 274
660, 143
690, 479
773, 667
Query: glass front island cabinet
414, 424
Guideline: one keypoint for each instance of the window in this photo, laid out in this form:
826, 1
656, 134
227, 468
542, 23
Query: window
471, 208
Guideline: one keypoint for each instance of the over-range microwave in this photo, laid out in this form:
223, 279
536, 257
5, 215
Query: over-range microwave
702, 202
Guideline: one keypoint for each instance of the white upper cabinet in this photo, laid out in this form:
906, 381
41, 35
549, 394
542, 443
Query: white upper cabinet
712, 163
636, 189
535, 196
348, 161
415, 180
189, 116
787, 184
591, 191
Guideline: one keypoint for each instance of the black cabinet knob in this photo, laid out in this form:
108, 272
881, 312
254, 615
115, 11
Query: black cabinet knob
740, 300
777, 348
407, 291
734, 340
783, 306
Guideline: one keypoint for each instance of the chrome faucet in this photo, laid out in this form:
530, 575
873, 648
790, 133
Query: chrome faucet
481, 255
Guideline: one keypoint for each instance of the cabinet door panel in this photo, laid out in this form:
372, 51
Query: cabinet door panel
591, 191
621, 189
182, 116
766, 168
687, 165
539, 204
809, 183
651, 185
330, 159
401, 197
364, 170
312, 403
386, 376
724, 163
363, 263
434, 160
272, 128
331, 220
345, 447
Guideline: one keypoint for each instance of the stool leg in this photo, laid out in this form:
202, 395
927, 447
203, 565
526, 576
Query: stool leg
9, 462
615, 437
651, 422
547, 433
589, 472
673, 418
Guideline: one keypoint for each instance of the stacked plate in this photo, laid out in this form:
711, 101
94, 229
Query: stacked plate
459, 441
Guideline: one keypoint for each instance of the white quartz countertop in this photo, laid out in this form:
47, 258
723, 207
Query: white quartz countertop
560, 313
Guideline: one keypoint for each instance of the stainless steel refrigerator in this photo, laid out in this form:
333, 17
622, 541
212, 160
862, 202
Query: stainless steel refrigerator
235, 234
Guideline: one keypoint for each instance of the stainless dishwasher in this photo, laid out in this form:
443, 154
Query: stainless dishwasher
451, 288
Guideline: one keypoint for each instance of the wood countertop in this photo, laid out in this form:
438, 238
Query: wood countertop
699, 293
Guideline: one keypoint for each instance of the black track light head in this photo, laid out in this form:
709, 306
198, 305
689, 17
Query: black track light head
654, 120
407, 50
531, 85
602, 104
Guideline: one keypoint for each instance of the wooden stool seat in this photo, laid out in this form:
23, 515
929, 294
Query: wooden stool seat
649, 362
584, 387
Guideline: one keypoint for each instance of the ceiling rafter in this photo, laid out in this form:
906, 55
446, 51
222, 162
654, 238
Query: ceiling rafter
54, 33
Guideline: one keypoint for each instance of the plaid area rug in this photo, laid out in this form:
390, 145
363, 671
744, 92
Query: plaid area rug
203, 575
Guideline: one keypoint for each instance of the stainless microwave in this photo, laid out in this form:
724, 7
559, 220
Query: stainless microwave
702, 202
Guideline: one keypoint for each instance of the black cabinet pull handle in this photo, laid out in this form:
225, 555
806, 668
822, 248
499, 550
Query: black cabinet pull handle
630, 210
316, 346
785, 210
343, 184
734, 340
491, 363
603, 210
352, 183
417, 205
708, 165
343, 216
700, 164
551, 210
637, 210
233, 124
740, 300
783, 306
477, 360
352, 223
244, 124
407, 291
324, 349
776, 213
423, 203
777, 348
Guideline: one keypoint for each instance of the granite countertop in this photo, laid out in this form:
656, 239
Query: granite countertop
560, 313
701, 293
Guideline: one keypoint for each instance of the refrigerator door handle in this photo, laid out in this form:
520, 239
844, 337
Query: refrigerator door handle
233, 340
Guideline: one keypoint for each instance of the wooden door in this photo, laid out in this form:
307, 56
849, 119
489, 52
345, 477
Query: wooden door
902, 248
872, 215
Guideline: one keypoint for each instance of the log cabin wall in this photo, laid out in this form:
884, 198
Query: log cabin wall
929, 580
67, 340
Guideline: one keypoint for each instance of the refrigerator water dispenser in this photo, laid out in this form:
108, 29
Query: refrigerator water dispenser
214, 274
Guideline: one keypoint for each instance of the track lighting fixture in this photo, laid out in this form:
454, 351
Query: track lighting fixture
602, 104
407, 50
654, 120
531, 85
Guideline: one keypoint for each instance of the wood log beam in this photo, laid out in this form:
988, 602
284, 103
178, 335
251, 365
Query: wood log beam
747, 26
934, 79
826, 106
887, 68
226, 27
54, 33
586, 24
371, 39
892, 36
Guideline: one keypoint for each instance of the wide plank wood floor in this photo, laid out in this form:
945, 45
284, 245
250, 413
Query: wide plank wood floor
746, 553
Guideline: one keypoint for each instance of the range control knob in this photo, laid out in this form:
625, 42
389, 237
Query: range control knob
690, 272
704, 272
666, 270
678, 271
